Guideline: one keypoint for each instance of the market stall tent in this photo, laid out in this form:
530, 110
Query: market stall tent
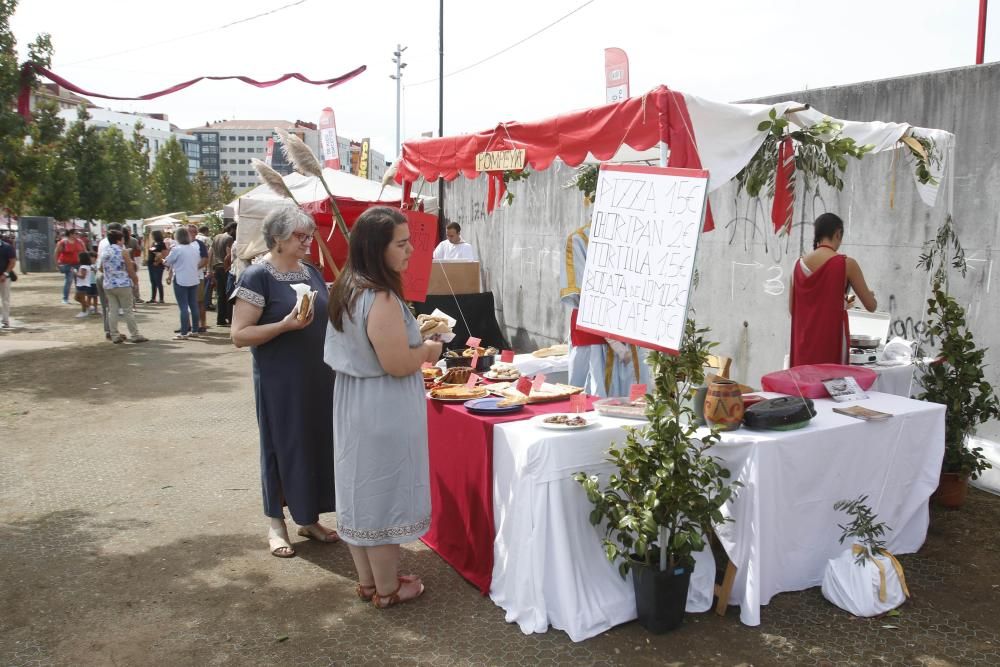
699, 133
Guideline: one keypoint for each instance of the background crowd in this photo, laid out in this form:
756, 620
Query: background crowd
102, 276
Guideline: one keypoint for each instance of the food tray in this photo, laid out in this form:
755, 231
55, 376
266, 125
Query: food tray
620, 407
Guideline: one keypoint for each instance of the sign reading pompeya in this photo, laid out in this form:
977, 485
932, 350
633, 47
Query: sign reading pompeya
500, 160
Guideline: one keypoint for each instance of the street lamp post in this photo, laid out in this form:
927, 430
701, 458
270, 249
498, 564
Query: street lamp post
398, 76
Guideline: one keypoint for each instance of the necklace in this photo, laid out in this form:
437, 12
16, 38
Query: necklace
826, 245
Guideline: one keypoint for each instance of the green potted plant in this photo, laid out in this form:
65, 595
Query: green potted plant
955, 377
668, 489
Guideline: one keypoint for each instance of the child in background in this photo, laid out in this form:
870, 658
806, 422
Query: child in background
86, 289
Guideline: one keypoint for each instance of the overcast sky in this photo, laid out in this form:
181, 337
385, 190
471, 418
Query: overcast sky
722, 50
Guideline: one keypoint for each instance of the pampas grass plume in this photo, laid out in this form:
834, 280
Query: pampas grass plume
272, 179
302, 157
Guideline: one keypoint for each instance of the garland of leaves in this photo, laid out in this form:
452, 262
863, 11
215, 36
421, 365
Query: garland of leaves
925, 154
821, 152
585, 181
512, 176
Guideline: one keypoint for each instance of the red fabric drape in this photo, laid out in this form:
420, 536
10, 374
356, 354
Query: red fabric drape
783, 207
638, 122
461, 462
820, 330
23, 100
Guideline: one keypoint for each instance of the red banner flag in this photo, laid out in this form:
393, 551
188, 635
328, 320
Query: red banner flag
328, 139
615, 75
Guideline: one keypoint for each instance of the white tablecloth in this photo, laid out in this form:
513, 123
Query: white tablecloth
549, 566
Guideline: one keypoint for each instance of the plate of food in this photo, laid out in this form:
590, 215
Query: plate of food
492, 406
563, 422
544, 394
619, 406
456, 393
502, 371
553, 351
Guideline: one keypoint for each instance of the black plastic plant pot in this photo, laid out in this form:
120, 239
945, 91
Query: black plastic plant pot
660, 597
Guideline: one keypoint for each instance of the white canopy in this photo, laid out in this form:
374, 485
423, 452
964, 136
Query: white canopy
251, 208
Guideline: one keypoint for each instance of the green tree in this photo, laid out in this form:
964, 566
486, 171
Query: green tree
54, 193
151, 200
19, 164
202, 194
124, 189
226, 193
84, 148
170, 175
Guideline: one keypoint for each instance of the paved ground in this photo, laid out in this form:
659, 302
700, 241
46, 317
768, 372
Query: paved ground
131, 534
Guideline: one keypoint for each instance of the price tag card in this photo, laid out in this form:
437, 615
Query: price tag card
507, 356
537, 382
427, 364
471, 382
475, 360
636, 391
578, 403
524, 385
473, 342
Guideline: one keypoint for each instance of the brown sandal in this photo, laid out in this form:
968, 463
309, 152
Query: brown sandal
392, 599
367, 591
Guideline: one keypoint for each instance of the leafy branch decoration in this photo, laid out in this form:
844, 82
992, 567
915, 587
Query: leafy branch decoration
863, 528
821, 153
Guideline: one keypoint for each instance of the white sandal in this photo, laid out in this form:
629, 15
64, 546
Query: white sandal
278, 543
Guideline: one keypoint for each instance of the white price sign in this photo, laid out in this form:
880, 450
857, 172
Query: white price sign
640, 257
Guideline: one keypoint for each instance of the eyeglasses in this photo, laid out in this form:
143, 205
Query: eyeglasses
303, 238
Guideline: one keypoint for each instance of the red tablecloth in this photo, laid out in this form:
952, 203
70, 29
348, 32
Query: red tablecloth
461, 461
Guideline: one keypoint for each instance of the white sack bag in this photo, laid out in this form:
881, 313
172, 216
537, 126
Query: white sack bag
870, 589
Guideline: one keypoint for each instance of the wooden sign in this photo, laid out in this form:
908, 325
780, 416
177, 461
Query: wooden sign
640, 256
500, 160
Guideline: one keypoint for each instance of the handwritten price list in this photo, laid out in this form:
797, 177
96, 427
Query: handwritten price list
640, 258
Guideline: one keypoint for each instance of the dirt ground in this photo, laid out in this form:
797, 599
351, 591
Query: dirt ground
131, 533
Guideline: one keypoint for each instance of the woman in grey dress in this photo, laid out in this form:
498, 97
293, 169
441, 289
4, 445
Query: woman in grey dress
292, 387
379, 409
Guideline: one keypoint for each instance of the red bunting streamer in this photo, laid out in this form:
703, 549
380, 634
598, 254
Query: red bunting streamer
24, 98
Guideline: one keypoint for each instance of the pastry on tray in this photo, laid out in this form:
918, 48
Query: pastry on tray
456, 375
503, 371
458, 392
552, 351
547, 392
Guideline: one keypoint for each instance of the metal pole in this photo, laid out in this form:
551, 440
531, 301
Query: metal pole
981, 33
399, 81
397, 57
441, 214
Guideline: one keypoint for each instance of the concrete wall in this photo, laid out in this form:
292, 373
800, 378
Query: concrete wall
743, 268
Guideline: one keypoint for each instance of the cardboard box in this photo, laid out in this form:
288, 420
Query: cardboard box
463, 278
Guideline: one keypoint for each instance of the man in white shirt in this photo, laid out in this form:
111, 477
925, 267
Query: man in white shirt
454, 247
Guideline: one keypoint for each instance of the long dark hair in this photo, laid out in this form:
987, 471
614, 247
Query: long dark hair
366, 267
825, 226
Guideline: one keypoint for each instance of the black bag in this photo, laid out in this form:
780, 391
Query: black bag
12, 277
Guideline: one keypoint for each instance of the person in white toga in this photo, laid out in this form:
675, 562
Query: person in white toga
454, 247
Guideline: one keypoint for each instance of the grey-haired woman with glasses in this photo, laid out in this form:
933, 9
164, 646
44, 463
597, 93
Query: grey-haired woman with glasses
292, 385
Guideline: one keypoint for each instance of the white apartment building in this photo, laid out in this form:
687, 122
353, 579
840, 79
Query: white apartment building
236, 143
155, 128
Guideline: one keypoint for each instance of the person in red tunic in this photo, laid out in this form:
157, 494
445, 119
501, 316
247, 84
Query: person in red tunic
818, 299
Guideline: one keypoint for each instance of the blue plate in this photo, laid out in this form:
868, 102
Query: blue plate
488, 406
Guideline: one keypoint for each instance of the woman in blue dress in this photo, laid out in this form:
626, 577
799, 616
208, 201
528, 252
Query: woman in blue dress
379, 408
292, 386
